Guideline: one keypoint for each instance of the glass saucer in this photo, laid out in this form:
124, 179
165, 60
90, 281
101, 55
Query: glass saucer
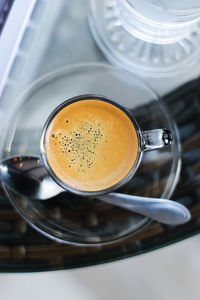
69, 218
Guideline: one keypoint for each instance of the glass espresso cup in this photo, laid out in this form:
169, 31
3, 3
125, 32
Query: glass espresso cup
91, 145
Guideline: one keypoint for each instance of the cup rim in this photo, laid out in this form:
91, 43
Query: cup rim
91, 97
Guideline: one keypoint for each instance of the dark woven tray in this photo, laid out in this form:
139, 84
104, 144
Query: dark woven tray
23, 249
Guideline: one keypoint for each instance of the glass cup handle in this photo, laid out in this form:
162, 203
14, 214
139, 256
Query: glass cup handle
156, 139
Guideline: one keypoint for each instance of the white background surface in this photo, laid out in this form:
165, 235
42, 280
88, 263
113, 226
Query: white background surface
169, 273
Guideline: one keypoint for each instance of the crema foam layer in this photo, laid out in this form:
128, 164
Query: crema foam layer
91, 145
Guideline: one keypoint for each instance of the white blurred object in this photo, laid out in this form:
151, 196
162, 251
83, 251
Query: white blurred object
27, 20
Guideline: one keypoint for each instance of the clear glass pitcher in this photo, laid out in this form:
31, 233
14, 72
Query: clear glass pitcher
161, 21
147, 37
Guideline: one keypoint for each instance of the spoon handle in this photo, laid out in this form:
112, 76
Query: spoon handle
161, 210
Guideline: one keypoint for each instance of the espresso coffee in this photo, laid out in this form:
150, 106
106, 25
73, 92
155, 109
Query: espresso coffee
91, 145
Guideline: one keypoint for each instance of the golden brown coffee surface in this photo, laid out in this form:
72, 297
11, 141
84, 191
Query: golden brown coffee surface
91, 145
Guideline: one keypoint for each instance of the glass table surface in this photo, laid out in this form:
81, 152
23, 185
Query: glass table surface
69, 42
